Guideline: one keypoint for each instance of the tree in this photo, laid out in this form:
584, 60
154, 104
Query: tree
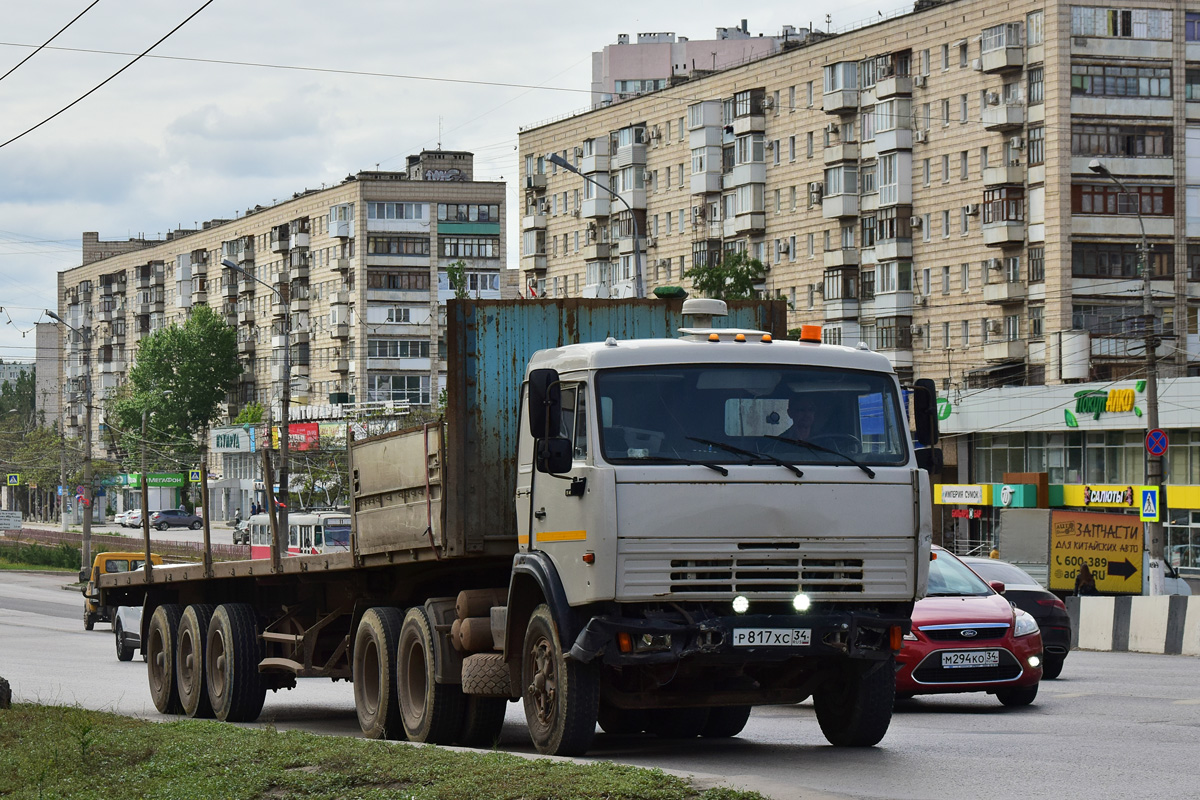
732, 279
251, 414
456, 273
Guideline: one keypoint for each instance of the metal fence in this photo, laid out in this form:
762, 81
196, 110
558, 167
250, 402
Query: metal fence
171, 551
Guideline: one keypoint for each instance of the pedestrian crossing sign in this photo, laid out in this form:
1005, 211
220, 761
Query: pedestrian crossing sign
14, 479
194, 476
1150, 510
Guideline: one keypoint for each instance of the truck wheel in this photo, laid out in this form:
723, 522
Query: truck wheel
160, 658
725, 721
431, 712
854, 707
622, 721
231, 656
677, 723
486, 675
89, 620
124, 651
483, 718
561, 697
1020, 696
374, 671
189, 663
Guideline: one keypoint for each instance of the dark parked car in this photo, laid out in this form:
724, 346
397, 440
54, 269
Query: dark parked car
1028, 595
173, 518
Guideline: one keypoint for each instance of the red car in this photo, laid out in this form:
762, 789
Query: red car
967, 638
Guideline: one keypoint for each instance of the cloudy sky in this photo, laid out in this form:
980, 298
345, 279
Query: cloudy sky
187, 136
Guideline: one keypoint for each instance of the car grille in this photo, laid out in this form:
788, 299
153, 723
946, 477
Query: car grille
955, 634
930, 671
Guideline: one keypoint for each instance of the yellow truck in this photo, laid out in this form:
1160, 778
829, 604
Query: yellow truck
106, 564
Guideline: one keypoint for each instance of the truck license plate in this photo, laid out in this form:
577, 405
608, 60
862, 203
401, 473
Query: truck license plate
956, 659
772, 637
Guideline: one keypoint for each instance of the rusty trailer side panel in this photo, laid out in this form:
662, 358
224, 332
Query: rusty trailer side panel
489, 344
398, 492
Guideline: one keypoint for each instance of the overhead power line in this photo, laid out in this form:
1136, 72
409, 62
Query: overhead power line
97, 87
42, 47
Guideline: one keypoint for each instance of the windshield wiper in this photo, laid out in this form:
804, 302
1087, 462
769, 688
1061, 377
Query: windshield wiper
749, 453
870, 472
687, 461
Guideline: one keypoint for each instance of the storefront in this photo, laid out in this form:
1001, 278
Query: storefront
1080, 435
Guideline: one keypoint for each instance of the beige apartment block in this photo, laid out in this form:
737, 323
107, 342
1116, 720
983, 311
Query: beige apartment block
921, 185
362, 265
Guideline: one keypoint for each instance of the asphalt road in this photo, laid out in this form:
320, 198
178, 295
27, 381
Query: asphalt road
1116, 725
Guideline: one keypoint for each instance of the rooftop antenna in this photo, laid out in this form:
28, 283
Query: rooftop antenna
439, 133
828, 21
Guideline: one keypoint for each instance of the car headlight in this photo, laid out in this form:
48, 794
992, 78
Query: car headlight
1025, 624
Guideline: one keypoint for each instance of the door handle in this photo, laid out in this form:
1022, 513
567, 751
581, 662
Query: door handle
540, 513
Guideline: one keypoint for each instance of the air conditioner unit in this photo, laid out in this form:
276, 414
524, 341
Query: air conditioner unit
1014, 162
655, 133
920, 81
579, 152
770, 145
916, 330
1016, 143
994, 326
914, 221
832, 129
920, 137
650, 241
647, 176
977, 65
816, 190
994, 263
993, 98
972, 209
574, 212
664, 262
783, 246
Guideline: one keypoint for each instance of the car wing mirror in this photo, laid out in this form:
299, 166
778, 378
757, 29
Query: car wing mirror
997, 586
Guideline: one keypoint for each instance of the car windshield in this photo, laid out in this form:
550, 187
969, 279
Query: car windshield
700, 414
992, 570
949, 577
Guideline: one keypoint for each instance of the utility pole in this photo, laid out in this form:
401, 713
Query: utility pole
146, 499
204, 503
86, 497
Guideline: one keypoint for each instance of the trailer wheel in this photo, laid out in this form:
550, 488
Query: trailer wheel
160, 658
189, 661
431, 711
374, 671
725, 721
483, 718
854, 707
561, 697
677, 723
231, 656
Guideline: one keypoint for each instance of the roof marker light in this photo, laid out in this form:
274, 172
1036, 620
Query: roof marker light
767, 338
810, 333
714, 337
741, 337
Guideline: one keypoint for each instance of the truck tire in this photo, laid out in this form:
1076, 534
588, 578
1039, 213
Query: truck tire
854, 707
374, 673
725, 721
161, 640
561, 697
677, 723
622, 721
232, 653
189, 661
483, 718
124, 651
486, 675
1019, 696
89, 620
430, 711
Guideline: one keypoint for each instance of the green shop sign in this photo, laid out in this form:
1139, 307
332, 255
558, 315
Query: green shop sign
1098, 401
155, 480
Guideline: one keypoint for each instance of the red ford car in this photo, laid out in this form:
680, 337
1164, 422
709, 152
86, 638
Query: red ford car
967, 638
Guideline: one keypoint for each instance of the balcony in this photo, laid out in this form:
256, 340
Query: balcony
844, 308
340, 331
1003, 117
844, 257
1002, 234
231, 288
340, 264
246, 316
594, 163
706, 182
597, 251
749, 223
630, 155
843, 101
836, 206
596, 290
280, 244
341, 366
533, 263
1004, 292
536, 183
300, 239
595, 207
893, 249
846, 151
895, 139
200, 296
1012, 174
750, 123
246, 347
744, 174
1002, 59
635, 198
897, 86
532, 222
1004, 351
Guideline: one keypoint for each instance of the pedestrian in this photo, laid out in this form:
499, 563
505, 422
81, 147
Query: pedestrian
1085, 582
994, 554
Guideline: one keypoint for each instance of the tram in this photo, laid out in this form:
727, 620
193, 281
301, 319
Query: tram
309, 533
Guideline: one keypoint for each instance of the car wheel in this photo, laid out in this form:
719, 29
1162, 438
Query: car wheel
1052, 668
1019, 696
162, 526
854, 707
124, 651
197, 525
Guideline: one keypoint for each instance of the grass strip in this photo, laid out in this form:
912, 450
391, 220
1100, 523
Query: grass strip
67, 752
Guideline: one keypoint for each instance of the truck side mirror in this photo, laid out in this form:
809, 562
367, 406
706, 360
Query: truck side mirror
930, 459
83, 574
925, 411
553, 455
545, 403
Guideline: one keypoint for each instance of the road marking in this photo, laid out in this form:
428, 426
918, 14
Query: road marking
1186, 702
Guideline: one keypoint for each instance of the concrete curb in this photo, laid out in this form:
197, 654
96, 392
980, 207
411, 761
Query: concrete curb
1169, 625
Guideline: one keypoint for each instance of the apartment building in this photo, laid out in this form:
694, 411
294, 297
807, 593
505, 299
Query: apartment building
362, 265
922, 185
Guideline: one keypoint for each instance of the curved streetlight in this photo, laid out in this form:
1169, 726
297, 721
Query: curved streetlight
555, 158
86, 335
285, 401
1154, 467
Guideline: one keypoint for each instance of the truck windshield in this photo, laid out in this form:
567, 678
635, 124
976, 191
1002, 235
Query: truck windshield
801, 415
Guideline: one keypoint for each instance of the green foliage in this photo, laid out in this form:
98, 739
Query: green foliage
457, 274
62, 556
40, 749
733, 279
251, 414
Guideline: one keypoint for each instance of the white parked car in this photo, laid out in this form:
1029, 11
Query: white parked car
127, 628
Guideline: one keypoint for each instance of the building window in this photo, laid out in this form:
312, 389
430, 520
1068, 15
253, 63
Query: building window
945, 280
1121, 141
1035, 29
1004, 204
999, 37
963, 59
1037, 264
1036, 322
841, 76
866, 179
468, 212
965, 277
841, 283
398, 245
888, 176
893, 276
397, 348
962, 164
1125, 23
1037, 145
414, 211
1191, 27
962, 108
1108, 80
469, 246
893, 333
1105, 198
1191, 86
1037, 85
1118, 260
791, 148
945, 57
966, 333
892, 224
808, 144
945, 112
841, 180
945, 224
404, 280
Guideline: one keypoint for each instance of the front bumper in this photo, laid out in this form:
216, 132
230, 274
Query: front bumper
711, 638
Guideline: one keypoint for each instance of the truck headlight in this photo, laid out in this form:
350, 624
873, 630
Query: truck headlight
801, 602
741, 604
1025, 624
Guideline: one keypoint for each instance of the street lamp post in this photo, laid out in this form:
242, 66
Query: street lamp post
555, 158
86, 502
1154, 465
285, 401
